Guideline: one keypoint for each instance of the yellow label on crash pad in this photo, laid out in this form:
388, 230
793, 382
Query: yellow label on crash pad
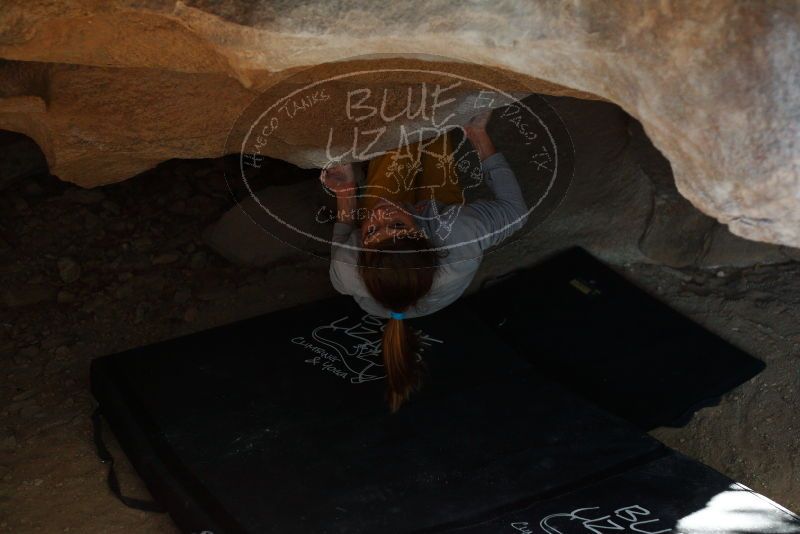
580, 286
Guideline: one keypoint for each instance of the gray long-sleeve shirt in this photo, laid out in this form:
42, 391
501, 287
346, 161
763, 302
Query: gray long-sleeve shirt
475, 227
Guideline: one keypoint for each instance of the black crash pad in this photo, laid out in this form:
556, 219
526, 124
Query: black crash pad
278, 424
587, 327
673, 494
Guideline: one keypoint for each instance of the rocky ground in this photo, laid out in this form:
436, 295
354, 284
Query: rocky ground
91, 272
752, 435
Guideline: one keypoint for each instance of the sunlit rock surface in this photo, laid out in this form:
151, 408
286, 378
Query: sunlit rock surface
110, 89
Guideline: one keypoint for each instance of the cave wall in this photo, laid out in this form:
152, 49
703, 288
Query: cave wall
110, 89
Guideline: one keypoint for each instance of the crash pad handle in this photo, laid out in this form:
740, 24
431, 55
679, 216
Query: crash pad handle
113, 482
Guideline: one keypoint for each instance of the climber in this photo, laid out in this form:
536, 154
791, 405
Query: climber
420, 243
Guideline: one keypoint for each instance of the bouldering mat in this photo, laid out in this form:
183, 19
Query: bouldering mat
278, 424
587, 327
672, 494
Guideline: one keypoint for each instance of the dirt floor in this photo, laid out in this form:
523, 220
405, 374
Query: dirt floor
87, 273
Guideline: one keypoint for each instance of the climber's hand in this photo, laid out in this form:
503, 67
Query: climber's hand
479, 121
340, 179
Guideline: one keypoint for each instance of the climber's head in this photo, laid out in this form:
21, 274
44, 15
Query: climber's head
397, 264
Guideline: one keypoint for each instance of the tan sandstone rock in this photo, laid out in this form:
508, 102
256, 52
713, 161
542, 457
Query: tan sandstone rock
108, 89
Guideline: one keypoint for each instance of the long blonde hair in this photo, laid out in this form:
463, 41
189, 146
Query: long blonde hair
397, 275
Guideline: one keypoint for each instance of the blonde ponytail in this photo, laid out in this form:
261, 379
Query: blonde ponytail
400, 345
397, 281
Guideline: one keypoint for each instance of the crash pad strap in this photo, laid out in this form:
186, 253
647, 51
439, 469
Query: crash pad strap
113, 481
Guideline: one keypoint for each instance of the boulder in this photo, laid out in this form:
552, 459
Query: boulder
109, 90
